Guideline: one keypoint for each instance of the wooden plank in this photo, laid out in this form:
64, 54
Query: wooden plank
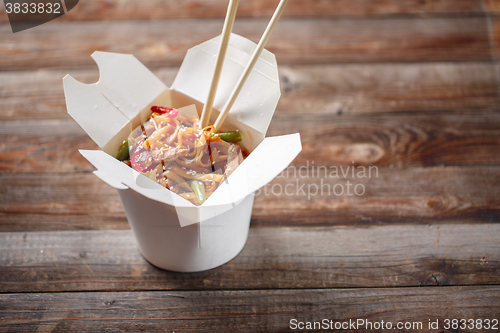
21, 221
376, 256
426, 139
374, 88
106, 10
492, 7
416, 139
38, 145
319, 89
246, 311
164, 43
415, 195
495, 33
52, 196
419, 195
39, 94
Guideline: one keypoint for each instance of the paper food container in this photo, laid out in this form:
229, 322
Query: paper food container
172, 233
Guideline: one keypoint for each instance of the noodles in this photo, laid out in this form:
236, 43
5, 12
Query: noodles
172, 150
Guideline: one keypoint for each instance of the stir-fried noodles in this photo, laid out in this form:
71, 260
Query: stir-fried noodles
171, 149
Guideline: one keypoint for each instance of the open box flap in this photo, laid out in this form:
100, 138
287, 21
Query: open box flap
117, 174
266, 162
92, 111
104, 109
126, 82
257, 100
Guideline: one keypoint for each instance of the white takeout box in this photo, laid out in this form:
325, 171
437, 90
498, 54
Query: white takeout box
172, 233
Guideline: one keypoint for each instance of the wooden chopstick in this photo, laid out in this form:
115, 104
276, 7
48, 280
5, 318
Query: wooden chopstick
226, 34
253, 60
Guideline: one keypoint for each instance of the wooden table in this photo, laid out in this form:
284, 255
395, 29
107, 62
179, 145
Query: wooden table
409, 87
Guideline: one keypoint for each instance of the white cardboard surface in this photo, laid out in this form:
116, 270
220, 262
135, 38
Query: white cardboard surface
109, 109
257, 100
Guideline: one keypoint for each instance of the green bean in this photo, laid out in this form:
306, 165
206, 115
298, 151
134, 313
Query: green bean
199, 189
230, 136
123, 153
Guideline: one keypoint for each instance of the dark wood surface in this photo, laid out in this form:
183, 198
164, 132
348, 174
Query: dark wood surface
241, 311
167, 9
314, 40
274, 258
397, 196
411, 88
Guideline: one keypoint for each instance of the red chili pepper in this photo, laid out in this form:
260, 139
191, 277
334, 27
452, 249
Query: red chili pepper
169, 112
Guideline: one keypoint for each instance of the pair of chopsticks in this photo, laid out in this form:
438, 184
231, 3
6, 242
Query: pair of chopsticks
226, 33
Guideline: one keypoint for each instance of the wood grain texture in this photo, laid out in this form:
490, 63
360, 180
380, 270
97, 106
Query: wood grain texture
242, 311
171, 9
375, 88
415, 195
46, 145
495, 34
39, 94
293, 41
492, 7
318, 89
419, 195
273, 258
414, 139
408, 86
